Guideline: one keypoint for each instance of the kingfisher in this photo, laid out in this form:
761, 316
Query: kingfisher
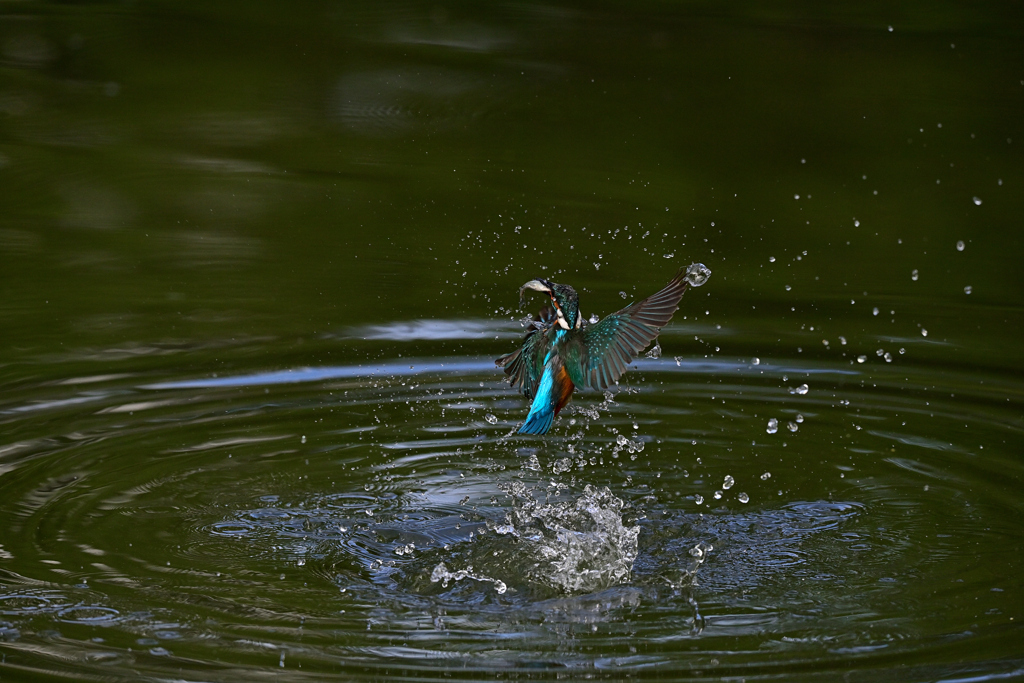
562, 352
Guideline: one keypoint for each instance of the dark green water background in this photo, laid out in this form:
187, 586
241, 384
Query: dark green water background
256, 260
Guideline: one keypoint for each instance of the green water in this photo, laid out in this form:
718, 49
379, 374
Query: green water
256, 261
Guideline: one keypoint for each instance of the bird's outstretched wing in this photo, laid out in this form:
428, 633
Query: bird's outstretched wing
611, 345
525, 365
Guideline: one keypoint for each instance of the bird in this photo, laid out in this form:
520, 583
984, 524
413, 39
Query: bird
561, 352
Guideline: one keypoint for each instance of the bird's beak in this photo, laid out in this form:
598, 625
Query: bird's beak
535, 285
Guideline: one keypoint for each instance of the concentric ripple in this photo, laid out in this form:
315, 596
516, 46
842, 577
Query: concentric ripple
380, 519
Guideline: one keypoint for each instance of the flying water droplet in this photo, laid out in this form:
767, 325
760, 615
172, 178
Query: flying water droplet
624, 295
801, 390
888, 357
729, 481
913, 275
303, 440
655, 351
874, 311
773, 426
698, 499
960, 245
697, 274
718, 495
792, 426
968, 289
861, 359
756, 361
766, 476
977, 201
799, 417
743, 498
491, 419
924, 332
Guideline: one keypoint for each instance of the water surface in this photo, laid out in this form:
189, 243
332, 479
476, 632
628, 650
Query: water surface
256, 264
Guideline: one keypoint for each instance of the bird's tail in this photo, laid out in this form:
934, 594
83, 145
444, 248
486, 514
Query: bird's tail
553, 393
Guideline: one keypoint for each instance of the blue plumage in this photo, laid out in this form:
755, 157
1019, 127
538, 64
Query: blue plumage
561, 353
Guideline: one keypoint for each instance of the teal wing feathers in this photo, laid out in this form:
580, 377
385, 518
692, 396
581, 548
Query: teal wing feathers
611, 345
525, 365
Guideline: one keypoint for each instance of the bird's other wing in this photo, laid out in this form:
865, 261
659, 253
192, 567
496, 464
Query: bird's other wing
525, 365
611, 345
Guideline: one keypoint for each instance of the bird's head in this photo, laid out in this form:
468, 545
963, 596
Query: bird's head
563, 298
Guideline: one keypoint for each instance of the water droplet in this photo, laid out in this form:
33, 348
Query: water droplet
773, 426
977, 201
842, 340
799, 417
756, 361
861, 359
624, 295
924, 332
744, 498
788, 287
888, 357
856, 223
792, 426
697, 274
718, 495
879, 352
655, 351
771, 259
913, 275
593, 319
491, 419
698, 499
967, 289
801, 390
729, 481
303, 438
766, 476
960, 245
902, 351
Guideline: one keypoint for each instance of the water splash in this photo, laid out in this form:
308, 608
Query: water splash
577, 545
443, 576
